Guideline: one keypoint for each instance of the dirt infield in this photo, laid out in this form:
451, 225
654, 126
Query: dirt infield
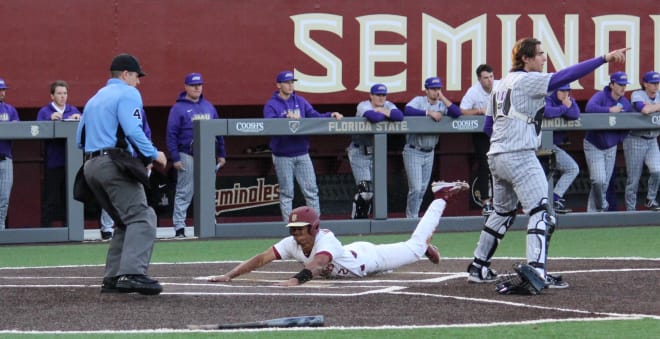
68, 298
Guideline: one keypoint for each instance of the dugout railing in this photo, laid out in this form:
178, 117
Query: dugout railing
205, 224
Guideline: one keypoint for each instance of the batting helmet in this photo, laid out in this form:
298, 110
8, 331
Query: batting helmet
305, 216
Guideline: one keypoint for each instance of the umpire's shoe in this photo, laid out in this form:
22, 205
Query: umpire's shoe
139, 283
110, 285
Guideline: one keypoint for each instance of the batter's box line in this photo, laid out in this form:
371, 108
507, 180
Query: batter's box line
518, 304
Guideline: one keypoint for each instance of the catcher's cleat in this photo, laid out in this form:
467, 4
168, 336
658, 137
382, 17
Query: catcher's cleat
139, 283
555, 281
526, 281
445, 190
481, 275
433, 254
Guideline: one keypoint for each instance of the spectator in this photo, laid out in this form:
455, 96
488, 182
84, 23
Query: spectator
360, 150
600, 146
418, 155
7, 113
560, 104
474, 102
641, 146
291, 153
112, 111
190, 106
54, 173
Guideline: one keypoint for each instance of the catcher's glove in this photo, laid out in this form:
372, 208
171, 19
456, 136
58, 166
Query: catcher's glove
526, 281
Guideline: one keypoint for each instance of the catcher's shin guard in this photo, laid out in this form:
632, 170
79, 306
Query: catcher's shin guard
362, 200
496, 226
526, 281
541, 222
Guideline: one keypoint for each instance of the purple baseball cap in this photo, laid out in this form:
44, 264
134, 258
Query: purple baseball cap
193, 79
285, 76
566, 87
3, 84
620, 78
379, 89
651, 77
433, 82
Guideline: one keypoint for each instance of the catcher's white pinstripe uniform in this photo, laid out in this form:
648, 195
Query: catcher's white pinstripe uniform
517, 101
639, 148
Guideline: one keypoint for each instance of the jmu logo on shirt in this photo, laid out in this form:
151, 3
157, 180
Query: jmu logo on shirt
4, 116
201, 116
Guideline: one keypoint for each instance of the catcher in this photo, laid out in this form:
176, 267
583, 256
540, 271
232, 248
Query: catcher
323, 255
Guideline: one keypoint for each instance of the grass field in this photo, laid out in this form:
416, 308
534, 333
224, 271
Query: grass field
641, 242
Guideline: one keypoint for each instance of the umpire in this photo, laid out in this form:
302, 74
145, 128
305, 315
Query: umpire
110, 129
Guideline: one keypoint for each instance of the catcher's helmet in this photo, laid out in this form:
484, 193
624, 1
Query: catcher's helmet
305, 216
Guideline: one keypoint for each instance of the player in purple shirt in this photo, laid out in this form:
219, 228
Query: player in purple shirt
291, 153
190, 106
600, 146
560, 104
54, 176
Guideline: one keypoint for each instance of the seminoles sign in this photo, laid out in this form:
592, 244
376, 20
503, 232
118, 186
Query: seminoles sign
562, 52
239, 198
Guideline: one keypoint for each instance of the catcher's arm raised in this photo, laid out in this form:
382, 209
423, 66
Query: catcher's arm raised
247, 266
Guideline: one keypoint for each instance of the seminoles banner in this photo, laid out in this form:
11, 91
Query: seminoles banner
337, 49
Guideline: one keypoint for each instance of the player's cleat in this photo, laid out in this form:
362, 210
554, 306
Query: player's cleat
180, 233
560, 206
109, 285
106, 235
139, 283
433, 254
652, 205
481, 275
445, 190
555, 281
487, 210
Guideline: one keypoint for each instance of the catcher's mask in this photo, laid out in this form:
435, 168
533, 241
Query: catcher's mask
305, 216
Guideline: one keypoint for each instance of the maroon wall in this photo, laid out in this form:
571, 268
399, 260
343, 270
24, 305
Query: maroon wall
239, 46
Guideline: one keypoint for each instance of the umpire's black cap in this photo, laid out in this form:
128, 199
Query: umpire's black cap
126, 62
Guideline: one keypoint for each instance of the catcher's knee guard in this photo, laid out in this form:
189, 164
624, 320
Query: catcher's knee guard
362, 200
541, 223
496, 226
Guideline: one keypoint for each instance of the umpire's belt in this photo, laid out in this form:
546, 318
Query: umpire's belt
425, 150
647, 138
105, 151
